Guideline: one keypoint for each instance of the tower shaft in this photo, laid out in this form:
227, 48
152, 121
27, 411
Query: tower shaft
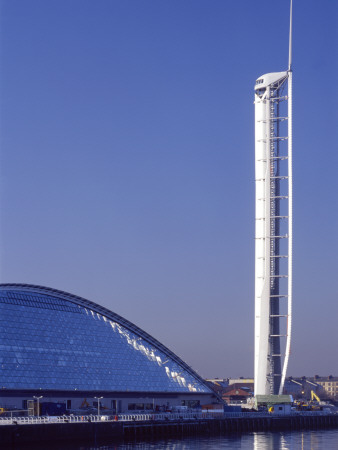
273, 235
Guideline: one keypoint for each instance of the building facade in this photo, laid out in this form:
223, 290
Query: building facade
329, 385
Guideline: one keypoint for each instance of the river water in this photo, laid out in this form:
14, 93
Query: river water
293, 440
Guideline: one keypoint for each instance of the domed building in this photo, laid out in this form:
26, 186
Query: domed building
69, 350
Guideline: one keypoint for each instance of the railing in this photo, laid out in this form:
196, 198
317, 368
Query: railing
115, 418
170, 416
161, 417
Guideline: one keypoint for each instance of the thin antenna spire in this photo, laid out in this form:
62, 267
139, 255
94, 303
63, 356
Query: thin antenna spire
290, 38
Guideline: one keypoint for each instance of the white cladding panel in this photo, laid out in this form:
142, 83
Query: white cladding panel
290, 212
262, 244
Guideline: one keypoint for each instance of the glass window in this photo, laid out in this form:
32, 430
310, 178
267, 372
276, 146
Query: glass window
50, 343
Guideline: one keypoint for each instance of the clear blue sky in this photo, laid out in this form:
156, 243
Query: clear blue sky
127, 165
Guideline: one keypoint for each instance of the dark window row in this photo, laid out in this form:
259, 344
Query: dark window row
39, 303
140, 406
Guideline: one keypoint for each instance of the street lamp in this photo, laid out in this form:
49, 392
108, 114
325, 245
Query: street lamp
98, 404
38, 398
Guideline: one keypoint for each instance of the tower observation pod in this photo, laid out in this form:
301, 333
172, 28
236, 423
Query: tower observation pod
273, 229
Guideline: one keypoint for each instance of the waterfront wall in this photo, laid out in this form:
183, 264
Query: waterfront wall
110, 431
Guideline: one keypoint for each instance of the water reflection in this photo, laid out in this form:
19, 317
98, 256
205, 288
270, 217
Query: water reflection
302, 440
270, 441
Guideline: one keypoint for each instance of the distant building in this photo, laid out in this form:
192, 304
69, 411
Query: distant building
237, 395
329, 385
294, 387
247, 383
218, 385
224, 385
224, 382
241, 381
302, 387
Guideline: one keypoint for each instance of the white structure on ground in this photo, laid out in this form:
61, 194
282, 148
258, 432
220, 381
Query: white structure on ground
273, 235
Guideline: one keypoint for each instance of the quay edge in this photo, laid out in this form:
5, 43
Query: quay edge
111, 431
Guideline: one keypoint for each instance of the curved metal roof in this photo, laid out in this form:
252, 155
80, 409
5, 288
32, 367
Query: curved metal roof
27, 288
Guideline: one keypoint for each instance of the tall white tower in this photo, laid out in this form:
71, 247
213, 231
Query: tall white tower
273, 236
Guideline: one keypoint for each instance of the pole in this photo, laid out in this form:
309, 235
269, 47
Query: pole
38, 404
98, 404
